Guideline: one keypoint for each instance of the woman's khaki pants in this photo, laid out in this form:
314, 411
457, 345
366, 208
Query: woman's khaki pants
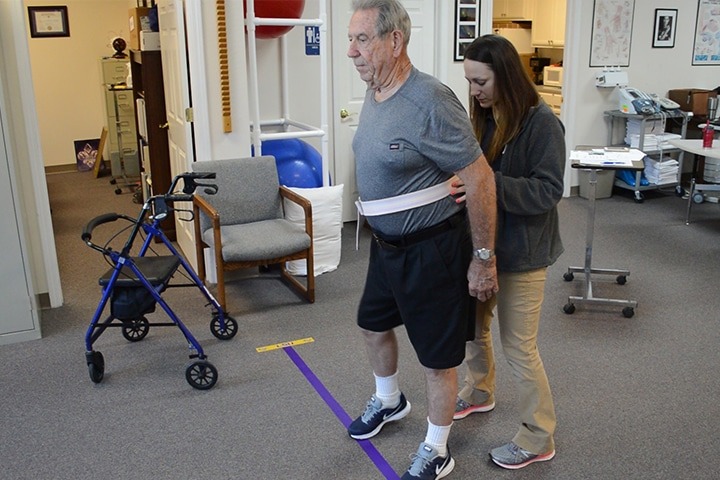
518, 301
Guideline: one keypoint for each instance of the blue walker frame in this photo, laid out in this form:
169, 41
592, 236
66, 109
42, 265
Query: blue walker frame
200, 374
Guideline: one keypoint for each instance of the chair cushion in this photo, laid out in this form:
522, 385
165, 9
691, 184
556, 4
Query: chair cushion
260, 240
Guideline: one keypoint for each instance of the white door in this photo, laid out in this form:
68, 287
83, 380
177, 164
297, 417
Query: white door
177, 100
349, 90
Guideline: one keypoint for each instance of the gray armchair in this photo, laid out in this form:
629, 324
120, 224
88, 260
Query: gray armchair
244, 222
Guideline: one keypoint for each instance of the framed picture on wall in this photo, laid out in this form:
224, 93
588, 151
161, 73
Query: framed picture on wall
51, 21
706, 50
467, 25
611, 33
665, 25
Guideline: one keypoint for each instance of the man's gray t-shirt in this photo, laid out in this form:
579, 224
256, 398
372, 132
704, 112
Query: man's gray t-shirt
415, 139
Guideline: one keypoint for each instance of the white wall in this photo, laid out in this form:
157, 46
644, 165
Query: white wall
66, 74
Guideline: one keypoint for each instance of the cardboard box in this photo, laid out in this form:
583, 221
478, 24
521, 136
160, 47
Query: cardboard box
138, 21
149, 40
692, 99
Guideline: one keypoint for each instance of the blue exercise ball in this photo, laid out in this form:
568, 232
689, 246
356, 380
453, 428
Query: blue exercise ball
299, 164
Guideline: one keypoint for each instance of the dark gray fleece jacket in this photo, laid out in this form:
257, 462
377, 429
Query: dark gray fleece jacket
529, 178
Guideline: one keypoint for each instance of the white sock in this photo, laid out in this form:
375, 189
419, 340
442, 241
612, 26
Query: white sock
387, 390
437, 437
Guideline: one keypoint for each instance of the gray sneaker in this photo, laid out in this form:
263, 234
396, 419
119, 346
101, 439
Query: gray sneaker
513, 457
428, 465
463, 408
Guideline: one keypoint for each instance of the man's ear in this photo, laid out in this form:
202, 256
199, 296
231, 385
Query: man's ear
398, 41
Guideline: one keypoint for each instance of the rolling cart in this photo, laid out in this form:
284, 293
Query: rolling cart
587, 298
134, 284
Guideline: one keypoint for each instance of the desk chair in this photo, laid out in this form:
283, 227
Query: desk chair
245, 226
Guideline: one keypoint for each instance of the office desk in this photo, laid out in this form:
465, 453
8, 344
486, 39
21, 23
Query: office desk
587, 297
695, 146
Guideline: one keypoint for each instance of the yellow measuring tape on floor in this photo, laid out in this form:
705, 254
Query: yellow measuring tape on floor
278, 346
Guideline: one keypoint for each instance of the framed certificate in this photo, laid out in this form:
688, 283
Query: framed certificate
50, 21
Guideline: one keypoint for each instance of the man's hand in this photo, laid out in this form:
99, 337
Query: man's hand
482, 279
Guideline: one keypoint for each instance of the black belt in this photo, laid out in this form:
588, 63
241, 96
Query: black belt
402, 241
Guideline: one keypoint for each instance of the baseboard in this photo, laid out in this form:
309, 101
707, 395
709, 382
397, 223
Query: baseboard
70, 167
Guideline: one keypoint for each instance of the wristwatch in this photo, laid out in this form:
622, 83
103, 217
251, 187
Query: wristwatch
483, 254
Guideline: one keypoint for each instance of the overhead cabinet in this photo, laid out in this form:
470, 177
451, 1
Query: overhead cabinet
512, 9
548, 27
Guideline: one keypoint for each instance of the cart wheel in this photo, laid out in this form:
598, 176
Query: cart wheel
621, 279
201, 375
698, 197
118, 191
136, 329
228, 332
96, 366
569, 308
679, 191
628, 312
639, 197
568, 277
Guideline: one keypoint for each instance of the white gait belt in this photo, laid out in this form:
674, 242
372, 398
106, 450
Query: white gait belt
399, 203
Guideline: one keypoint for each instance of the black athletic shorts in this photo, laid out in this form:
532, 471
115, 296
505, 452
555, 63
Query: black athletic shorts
423, 285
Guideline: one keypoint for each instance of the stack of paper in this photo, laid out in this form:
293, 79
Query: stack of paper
651, 141
652, 129
660, 172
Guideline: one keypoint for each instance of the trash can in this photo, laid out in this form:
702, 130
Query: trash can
603, 189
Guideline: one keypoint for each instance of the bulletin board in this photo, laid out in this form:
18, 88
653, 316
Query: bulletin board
611, 33
707, 33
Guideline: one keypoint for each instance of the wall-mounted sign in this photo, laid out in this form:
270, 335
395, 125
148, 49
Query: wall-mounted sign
312, 40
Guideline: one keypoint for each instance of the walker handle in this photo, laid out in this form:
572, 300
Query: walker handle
99, 220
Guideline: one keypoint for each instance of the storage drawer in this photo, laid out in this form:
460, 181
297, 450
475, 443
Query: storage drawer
114, 71
125, 103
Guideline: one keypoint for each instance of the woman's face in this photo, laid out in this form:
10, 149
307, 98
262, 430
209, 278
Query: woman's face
482, 82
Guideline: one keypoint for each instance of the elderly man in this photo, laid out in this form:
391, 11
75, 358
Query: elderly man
427, 265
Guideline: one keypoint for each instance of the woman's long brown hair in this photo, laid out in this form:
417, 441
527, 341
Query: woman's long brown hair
514, 92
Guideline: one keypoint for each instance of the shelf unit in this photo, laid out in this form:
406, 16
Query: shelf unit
291, 128
152, 137
613, 116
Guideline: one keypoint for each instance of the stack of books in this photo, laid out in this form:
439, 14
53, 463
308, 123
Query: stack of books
660, 172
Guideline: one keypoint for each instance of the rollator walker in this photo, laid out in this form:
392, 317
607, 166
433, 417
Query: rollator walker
134, 284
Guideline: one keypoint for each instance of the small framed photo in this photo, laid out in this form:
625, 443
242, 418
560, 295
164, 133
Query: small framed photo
467, 25
48, 21
665, 26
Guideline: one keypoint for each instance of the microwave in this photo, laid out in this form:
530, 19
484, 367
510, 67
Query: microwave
553, 76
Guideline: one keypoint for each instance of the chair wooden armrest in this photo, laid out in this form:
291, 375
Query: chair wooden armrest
201, 204
303, 202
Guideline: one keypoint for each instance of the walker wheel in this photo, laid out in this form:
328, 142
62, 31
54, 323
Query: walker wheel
226, 333
621, 279
628, 312
569, 308
136, 329
568, 277
201, 375
96, 366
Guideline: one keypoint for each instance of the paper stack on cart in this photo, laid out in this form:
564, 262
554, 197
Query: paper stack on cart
660, 172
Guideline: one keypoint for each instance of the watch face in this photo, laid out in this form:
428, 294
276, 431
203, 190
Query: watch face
483, 253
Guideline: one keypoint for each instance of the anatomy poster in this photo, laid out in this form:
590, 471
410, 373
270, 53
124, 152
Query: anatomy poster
611, 32
707, 34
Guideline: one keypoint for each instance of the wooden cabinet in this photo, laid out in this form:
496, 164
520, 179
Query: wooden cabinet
548, 28
512, 9
151, 122
120, 119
